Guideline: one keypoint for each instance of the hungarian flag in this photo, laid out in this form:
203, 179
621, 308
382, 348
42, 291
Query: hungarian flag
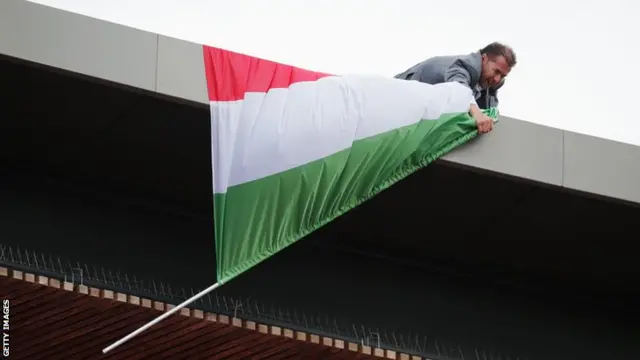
294, 149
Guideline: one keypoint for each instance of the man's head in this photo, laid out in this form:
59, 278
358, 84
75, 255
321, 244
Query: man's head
497, 62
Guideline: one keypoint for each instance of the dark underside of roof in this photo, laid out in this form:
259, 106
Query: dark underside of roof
121, 179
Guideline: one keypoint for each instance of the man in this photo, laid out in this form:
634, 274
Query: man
484, 72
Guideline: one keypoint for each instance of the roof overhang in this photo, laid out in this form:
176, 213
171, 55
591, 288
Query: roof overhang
175, 68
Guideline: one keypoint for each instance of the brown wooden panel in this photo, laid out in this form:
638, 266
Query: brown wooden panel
52, 323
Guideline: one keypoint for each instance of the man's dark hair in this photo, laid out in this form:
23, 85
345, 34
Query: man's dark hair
497, 49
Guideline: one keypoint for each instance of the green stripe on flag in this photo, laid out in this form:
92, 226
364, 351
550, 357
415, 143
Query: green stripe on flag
257, 219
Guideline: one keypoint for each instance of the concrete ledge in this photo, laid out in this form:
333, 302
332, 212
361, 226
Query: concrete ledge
174, 67
78, 43
181, 70
516, 148
601, 166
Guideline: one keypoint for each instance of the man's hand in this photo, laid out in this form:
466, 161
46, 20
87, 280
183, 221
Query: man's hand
483, 122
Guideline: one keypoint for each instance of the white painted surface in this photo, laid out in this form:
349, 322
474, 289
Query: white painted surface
268, 133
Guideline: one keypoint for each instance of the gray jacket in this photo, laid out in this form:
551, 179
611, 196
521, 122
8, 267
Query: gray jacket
464, 69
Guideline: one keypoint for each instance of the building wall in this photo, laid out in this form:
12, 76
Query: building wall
174, 67
169, 248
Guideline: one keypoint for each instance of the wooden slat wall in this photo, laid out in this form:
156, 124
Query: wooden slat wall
51, 320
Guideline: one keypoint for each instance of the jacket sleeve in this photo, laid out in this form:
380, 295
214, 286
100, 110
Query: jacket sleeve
458, 72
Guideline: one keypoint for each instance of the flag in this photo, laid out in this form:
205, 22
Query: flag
294, 149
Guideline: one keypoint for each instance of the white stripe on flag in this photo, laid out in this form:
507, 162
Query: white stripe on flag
265, 134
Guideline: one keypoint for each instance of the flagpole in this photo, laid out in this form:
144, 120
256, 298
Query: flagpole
161, 317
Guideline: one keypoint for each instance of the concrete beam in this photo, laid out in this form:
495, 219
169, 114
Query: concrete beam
174, 67
601, 166
78, 43
518, 148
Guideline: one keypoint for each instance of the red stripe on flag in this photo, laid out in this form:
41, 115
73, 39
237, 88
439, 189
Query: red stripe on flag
230, 75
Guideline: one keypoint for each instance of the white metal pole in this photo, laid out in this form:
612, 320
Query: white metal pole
161, 317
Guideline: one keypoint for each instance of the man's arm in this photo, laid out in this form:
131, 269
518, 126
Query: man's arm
483, 122
458, 72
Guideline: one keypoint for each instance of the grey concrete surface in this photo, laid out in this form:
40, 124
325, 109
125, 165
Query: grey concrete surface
174, 67
516, 148
181, 70
78, 43
601, 166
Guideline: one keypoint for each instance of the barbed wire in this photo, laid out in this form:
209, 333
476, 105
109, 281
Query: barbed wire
243, 307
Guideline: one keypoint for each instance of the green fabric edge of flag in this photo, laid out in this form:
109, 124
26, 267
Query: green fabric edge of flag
225, 275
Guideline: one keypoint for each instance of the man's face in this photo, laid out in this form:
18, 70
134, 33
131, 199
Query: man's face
493, 70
